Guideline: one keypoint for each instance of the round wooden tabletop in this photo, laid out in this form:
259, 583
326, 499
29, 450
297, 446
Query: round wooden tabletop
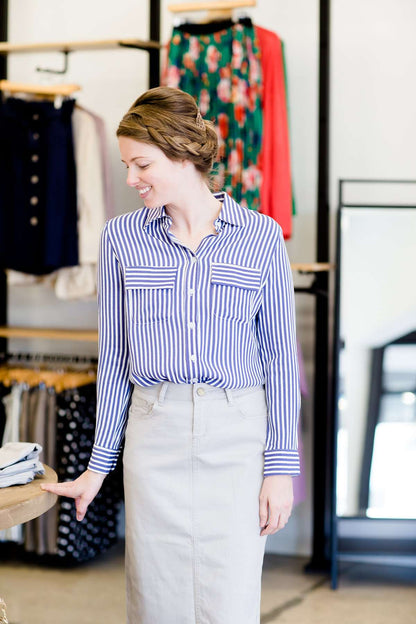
21, 503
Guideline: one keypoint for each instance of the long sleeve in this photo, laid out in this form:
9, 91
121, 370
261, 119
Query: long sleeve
113, 385
277, 338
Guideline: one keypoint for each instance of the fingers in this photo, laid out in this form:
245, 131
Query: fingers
81, 506
83, 490
277, 520
68, 488
71, 489
263, 511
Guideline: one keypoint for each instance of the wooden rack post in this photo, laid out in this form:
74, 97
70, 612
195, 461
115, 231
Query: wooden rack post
3, 74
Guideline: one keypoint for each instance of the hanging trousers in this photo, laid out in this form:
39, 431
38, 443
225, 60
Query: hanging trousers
193, 470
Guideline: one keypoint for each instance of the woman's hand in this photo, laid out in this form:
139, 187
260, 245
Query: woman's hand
276, 502
84, 490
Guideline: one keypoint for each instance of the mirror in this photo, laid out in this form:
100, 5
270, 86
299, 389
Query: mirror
376, 363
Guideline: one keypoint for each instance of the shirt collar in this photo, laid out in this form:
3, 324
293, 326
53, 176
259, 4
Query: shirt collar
231, 212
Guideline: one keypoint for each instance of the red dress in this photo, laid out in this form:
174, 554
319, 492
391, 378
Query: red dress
276, 189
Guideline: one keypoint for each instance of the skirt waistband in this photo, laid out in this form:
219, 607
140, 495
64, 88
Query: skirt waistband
186, 392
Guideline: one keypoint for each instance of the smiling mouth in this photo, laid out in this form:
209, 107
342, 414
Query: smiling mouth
143, 191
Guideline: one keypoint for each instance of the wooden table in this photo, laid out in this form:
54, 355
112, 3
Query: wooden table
21, 503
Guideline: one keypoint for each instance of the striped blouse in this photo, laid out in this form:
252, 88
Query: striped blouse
223, 315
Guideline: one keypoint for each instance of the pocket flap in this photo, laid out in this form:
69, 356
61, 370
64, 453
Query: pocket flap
150, 277
235, 275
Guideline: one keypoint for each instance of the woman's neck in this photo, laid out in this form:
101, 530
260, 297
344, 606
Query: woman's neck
195, 211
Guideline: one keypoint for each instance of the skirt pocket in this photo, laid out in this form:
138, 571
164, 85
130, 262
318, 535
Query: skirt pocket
142, 408
251, 406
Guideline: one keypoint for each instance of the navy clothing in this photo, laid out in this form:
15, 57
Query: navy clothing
81, 541
38, 207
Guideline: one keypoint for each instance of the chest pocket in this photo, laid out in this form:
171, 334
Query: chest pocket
149, 293
233, 291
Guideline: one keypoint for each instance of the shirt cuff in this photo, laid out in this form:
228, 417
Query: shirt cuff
103, 460
281, 462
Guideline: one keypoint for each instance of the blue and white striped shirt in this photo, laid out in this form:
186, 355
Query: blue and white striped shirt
223, 315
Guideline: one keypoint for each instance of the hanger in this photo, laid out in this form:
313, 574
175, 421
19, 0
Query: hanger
215, 9
59, 380
56, 92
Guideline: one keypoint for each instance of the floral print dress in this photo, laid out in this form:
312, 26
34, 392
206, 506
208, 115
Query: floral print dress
222, 71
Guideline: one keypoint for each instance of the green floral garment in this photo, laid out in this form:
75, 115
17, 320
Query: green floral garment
222, 71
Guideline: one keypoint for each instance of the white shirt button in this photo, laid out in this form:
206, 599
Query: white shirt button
34, 179
35, 158
34, 201
194, 380
191, 325
33, 221
193, 358
200, 391
191, 291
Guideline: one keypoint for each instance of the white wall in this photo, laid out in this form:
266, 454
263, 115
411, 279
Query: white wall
110, 81
373, 122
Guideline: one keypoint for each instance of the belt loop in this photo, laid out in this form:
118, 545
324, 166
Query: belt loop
229, 394
162, 392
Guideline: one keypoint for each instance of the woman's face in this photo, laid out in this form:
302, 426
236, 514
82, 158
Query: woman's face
154, 175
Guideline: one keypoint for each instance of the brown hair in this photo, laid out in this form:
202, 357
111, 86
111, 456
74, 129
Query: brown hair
170, 119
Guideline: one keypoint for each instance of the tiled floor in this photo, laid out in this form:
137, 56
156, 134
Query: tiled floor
94, 594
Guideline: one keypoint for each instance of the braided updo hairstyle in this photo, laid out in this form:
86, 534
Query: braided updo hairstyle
170, 119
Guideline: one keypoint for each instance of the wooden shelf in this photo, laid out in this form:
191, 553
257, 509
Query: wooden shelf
21, 503
72, 46
312, 267
211, 5
49, 90
85, 335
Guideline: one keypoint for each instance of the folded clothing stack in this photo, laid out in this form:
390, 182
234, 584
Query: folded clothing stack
19, 463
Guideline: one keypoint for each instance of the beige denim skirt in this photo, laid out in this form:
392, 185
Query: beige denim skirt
193, 470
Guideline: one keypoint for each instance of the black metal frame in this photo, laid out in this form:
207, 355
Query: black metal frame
322, 426
322, 430
365, 546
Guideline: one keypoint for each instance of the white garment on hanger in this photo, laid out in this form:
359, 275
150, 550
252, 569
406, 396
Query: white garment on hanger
80, 281
12, 403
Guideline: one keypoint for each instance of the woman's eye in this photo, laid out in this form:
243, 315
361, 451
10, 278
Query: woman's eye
143, 166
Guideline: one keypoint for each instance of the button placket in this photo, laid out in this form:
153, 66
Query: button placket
191, 315
34, 177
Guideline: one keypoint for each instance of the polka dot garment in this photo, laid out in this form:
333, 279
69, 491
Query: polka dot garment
82, 541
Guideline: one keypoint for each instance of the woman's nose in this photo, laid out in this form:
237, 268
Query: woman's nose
132, 177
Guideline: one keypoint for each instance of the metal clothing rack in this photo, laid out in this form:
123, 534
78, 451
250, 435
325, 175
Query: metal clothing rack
322, 428
39, 358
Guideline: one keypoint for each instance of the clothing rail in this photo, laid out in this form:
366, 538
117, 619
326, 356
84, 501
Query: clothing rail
46, 90
72, 46
85, 335
39, 358
214, 5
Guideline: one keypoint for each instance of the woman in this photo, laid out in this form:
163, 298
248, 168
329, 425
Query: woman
198, 371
